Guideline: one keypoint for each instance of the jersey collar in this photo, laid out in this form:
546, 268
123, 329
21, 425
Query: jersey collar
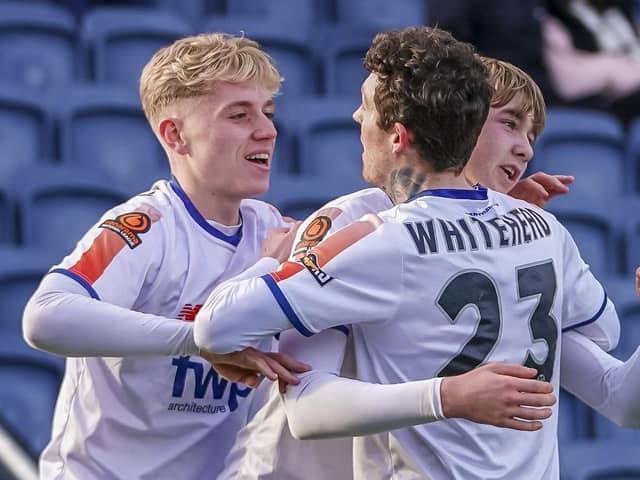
478, 193
200, 220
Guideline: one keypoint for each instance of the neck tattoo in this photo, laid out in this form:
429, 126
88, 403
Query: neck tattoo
404, 183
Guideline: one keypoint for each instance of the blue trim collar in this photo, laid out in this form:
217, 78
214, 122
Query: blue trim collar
478, 193
200, 220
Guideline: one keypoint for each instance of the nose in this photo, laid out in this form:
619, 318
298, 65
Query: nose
523, 149
265, 129
357, 115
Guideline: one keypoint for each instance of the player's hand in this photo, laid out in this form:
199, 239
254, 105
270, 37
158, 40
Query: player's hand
279, 242
541, 187
248, 366
638, 281
498, 394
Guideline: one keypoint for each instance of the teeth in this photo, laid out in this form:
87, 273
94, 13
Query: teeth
509, 171
258, 156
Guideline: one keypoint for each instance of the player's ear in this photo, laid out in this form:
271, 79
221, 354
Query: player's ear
171, 135
401, 137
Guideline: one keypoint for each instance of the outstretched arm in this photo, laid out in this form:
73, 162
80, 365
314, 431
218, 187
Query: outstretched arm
494, 394
603, 382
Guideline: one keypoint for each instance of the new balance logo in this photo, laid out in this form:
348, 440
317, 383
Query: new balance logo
189, 312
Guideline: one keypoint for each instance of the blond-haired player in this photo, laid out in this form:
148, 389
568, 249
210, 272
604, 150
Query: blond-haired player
137, 400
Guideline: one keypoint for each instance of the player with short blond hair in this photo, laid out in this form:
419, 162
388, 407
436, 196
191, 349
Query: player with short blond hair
139, 400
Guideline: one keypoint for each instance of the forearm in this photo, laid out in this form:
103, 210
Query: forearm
60, 318
603, 382
316, 409
239, 313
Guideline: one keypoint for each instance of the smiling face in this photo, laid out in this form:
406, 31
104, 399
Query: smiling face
229, 138
504, 147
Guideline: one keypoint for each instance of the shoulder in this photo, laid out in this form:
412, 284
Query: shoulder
261, 213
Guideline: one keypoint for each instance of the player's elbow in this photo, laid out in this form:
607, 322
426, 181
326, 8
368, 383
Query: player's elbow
211, 332
37, 322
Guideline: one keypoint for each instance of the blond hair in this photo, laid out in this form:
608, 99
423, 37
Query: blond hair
508, 81
189, 66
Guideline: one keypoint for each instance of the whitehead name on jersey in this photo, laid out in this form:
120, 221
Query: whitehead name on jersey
159, 416
437, 286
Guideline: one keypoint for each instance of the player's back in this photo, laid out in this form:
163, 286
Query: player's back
477, 280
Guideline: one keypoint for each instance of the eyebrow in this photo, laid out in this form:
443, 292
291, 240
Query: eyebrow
519, 114
247, 104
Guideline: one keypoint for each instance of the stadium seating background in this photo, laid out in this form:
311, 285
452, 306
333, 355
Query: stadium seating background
74, 142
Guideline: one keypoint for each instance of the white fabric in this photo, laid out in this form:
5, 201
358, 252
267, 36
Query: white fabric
316, 407
157, 415
603, 382
265, 448
382, 276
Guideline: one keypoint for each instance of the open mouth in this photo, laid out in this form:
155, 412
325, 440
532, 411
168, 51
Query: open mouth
259, 158
510, 171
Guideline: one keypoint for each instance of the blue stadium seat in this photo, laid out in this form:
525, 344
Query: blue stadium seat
382, 14
575, 419
26, 128
7, 218
37, 42
328, 138
280, 14
57, 205
600, 460
592, 229
633, 153
289, 47
299, 196
588, 145
104, 127
32, 384
342, 50
118, 42
21, 270
629, 221
194, 10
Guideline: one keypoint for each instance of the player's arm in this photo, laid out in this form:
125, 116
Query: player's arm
344, 280
600, 380
495, 394
586, 307
61, 317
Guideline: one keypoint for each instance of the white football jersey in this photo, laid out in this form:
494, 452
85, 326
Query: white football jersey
437, 286
265, 449
153, 417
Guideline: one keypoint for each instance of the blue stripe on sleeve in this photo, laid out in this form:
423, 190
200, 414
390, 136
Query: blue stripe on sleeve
285, 306
87, 286
592, 319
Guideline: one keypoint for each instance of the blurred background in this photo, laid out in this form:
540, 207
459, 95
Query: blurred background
74, 142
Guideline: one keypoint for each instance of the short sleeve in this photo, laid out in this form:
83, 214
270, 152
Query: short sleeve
352, 277
115, 258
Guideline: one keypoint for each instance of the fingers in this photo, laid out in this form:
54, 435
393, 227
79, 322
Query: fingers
536, 400
638, 281
282, 374
565, 179
512, 370
289, 362
515, 424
